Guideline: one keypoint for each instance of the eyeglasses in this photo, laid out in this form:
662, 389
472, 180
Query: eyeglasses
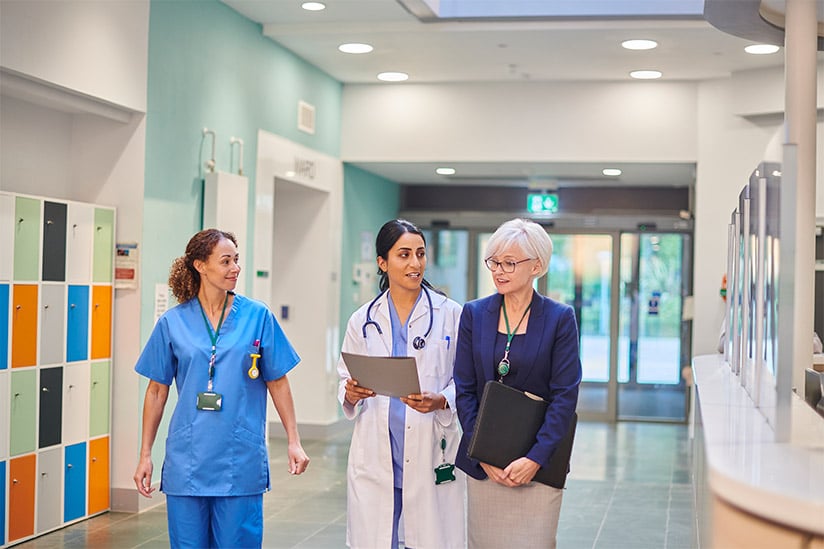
506, 266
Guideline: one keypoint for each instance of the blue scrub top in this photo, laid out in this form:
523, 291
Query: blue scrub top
217, 453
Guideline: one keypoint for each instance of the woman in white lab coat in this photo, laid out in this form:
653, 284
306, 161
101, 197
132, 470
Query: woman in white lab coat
401, 458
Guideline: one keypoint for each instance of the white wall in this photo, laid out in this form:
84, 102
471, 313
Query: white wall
90, 150
563, 122
97, 48
724, 126
729, 149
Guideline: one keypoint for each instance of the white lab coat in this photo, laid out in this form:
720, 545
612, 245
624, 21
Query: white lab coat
433, 515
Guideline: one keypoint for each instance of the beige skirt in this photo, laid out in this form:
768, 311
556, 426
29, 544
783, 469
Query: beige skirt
497, 516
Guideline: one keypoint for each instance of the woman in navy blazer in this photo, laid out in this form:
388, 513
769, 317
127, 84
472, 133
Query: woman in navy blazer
529, 342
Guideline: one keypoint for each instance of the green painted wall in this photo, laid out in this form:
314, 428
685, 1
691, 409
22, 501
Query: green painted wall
369, 201
211, 67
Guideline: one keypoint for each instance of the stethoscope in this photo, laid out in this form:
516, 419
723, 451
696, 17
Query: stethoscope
419, 342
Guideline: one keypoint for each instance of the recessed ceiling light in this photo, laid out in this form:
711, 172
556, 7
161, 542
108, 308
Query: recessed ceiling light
639, 44
355, 47
313, 6
761, 49
646, 74
393, 76
611, 172
445, 171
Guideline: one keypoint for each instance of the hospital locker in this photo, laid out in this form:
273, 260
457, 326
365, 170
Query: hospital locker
54, 241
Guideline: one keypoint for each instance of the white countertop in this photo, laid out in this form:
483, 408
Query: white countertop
781, 482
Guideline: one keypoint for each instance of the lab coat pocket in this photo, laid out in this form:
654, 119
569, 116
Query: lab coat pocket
435, 365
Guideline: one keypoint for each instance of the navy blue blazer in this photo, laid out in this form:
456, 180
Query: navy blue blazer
553, 373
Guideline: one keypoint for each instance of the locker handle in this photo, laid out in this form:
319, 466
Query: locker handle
45, 389
71, 387
14, 481
44, 474
72, 305
20, 220
16, 395
96, 305
94, 460
45, 306
49, 222
69, 466
99, 228
18, 307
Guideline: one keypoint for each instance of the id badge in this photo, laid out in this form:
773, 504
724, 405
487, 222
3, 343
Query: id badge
445, 472
209, 401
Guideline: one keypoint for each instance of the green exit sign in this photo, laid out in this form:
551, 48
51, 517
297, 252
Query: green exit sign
542, 203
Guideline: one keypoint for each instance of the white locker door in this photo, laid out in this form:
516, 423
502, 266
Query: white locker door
6, 235
75, 402
79, 243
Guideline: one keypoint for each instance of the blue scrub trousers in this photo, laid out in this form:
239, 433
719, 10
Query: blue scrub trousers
230, 521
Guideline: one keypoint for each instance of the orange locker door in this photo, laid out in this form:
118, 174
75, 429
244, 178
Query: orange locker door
98, 475
21, 496
101, 322
24, 325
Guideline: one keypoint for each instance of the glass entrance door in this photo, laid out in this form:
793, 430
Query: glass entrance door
581, 275
627, 290
653, 342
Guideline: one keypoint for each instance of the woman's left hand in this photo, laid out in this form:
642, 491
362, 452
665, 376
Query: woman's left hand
298, 460
425, 402
521, 471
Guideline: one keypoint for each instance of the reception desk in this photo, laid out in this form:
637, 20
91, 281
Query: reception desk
752, 491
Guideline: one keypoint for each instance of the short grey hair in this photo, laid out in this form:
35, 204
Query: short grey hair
527, 235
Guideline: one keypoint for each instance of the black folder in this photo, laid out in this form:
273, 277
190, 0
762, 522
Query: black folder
506, 428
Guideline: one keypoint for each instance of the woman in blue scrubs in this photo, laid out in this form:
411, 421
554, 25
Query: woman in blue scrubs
224, 352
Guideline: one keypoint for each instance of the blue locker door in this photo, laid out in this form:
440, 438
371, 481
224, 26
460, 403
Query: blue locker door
74, 489
77, 324
4, 327
3, 502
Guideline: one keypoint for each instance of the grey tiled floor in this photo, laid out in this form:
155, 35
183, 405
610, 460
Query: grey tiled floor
629, 489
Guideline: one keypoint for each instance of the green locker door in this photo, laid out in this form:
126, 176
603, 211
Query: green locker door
26, 239
103, 245
99, 399
23, 411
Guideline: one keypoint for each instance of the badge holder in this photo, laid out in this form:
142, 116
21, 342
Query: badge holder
445, 472
209, 401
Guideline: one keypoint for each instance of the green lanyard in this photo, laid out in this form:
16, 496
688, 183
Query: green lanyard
213, 335
503, 365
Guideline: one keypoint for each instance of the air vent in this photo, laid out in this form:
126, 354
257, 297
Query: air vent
306, 117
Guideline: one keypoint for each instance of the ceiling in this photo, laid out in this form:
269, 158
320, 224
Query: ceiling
576, 48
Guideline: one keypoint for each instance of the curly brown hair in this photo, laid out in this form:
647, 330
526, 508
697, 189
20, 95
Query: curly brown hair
184, 279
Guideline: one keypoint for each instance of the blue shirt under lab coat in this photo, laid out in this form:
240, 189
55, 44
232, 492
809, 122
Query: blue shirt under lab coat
217, 453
